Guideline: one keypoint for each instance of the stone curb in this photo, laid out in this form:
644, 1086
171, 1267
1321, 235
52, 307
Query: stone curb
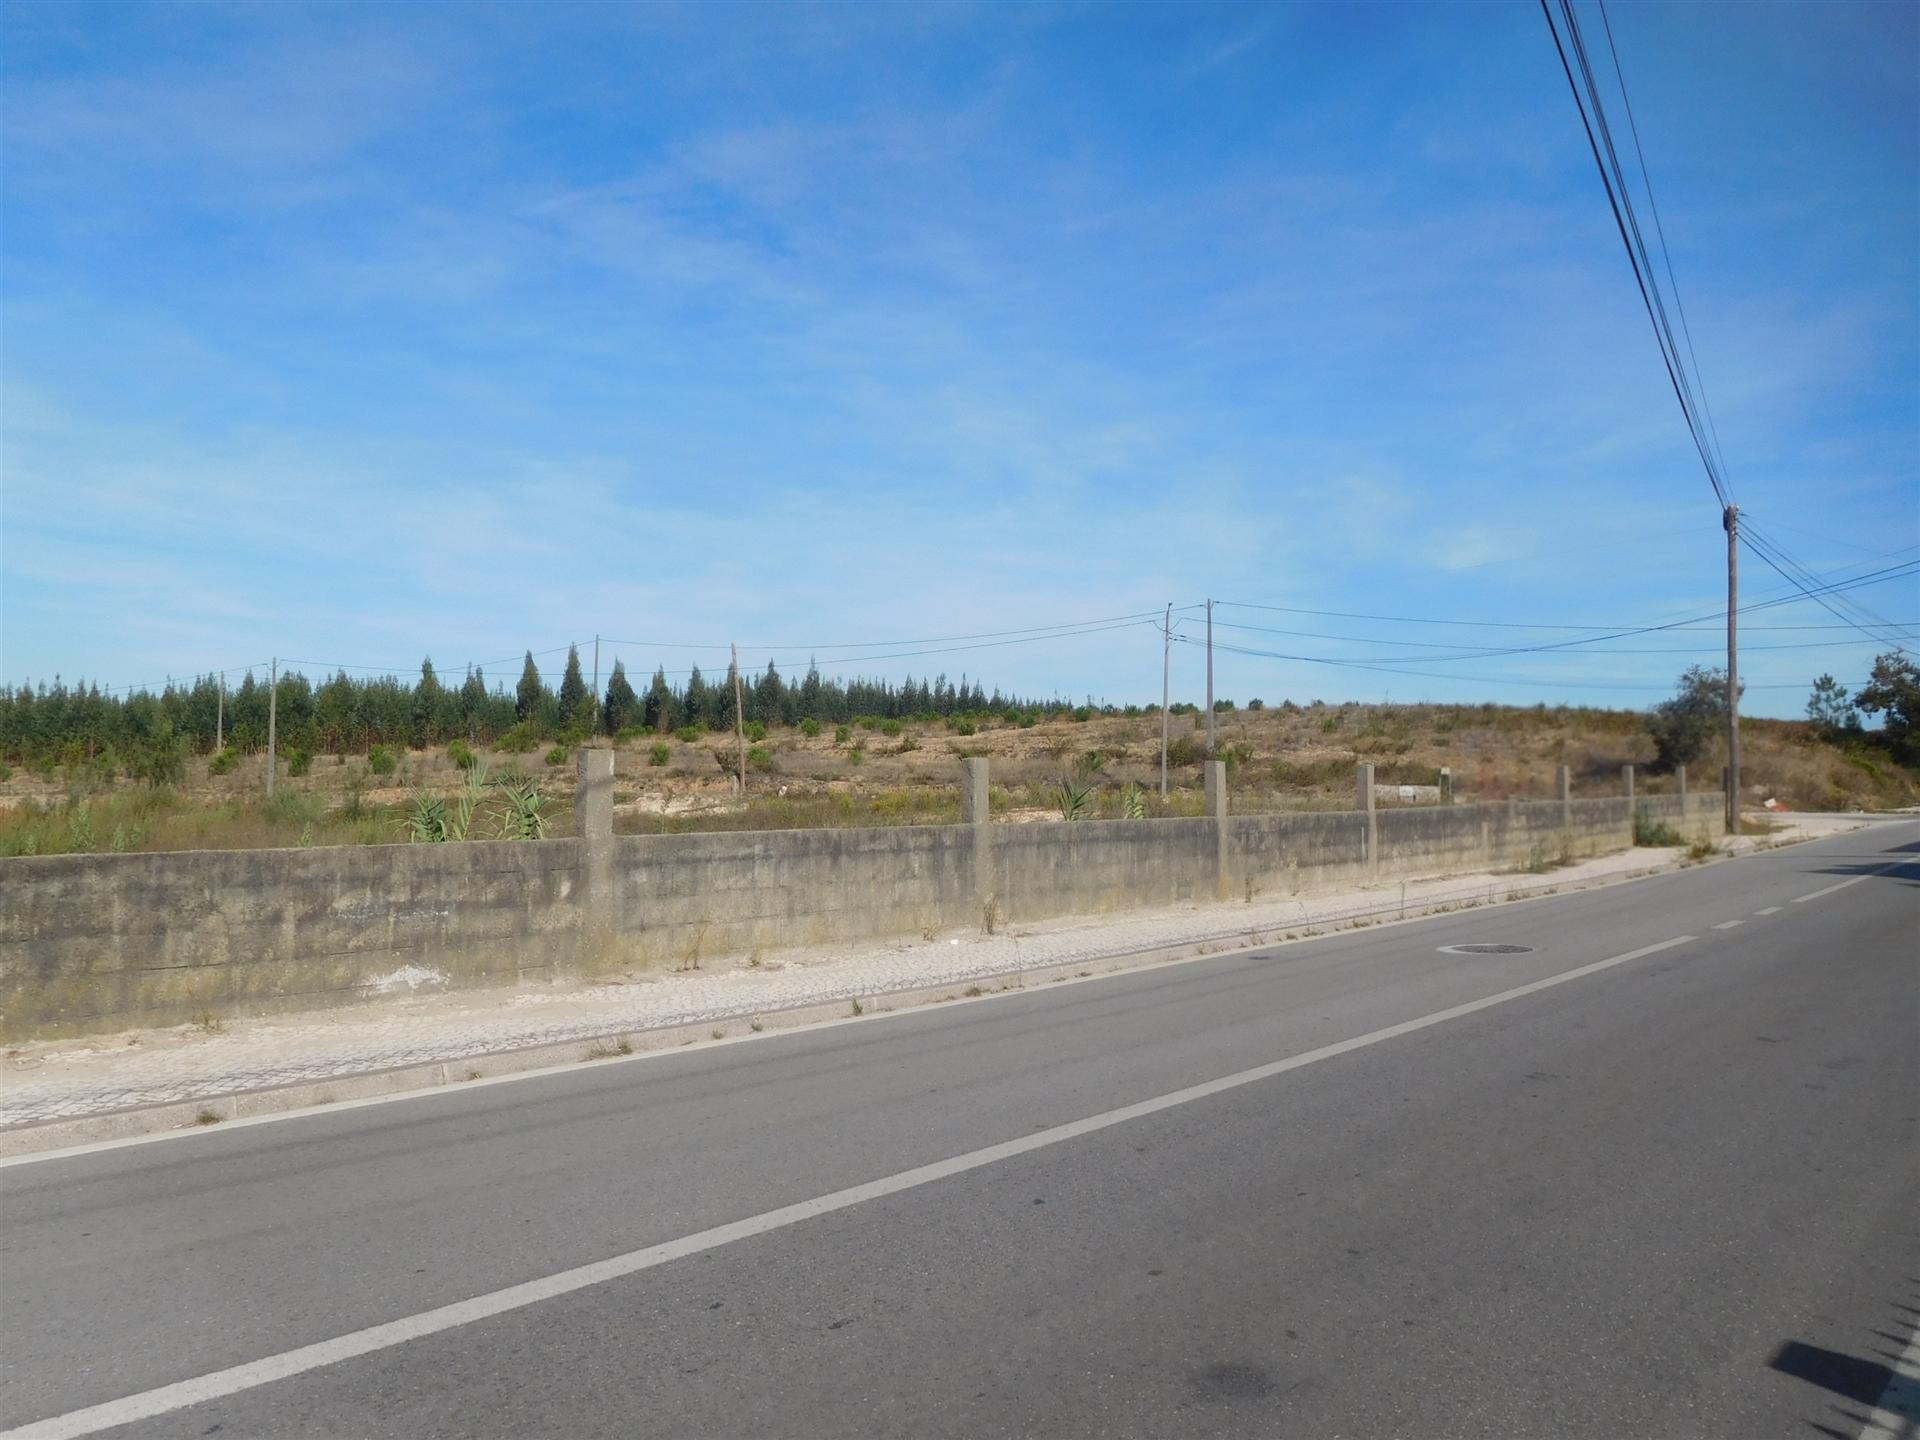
617, 1044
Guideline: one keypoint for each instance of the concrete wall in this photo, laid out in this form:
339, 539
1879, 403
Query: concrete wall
100, 942
93, 942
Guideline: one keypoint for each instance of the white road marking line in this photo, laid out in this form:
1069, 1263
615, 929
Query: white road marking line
221, 1383
1770, 910
1729, 924
1877, 870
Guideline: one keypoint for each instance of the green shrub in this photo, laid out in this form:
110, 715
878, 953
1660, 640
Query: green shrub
755, 730
687, 734
558, 755
889, 727
380, 760
461, 754
223, 761
759, 758
810, 728
660, 753
1082, 713
6, 772
518, 740
1648, 831
1185, 750
964, 726
842, 734
856, 756
630, 732
1027, 720
299, 761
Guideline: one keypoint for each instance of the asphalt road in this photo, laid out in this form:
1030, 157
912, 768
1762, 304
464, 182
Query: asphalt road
1671, 1194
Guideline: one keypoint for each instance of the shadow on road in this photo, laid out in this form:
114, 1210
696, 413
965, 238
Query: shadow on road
1865, 1384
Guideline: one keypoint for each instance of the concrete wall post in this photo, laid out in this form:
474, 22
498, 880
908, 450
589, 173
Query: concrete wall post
1566, 798
1446, 784
593, 822
1626, 779
1216, 775
975, 810
1363, 802
1680, 773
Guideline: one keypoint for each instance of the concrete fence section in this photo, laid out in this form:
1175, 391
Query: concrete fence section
92, 943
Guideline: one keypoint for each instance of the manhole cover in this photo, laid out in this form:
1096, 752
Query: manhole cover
1486, 949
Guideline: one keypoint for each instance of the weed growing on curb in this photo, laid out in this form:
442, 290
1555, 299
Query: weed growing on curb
858, 1008
208, 1117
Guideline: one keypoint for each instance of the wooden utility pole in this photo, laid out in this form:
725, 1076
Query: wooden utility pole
1209, 679
220, 717
1732, 522
1166, 650
739, 719
273, 715
596, 684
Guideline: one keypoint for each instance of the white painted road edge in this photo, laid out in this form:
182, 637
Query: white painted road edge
235, 1379
1877, 870
1896, 1414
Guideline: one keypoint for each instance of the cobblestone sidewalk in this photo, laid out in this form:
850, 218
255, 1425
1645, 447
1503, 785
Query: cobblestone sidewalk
68, 1079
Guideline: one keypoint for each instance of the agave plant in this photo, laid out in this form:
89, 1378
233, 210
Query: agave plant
426, 823
1133, 802
1074, 797
523, 814
460, 816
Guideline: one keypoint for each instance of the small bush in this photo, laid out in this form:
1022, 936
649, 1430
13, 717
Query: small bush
299, 761
964, 727
660, 753
810, 728
1651, 832
380, 760
630, 732
760, 758
889, 727
756, 731
1185, 750
461, 754
842, 734
558, 755
223, 761
1256, 704
1082, 714
518, 740
856, 756
687, 734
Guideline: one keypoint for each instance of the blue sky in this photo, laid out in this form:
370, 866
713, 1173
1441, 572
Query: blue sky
357, 334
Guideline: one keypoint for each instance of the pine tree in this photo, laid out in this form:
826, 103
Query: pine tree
526, 704
573, 686
426, 700
622, 705
661, 710
697, 706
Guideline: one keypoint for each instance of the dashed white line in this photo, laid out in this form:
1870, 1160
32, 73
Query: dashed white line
1770, 910
1729, 924
220, 1383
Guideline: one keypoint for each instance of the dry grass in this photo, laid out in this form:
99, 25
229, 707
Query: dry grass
1299, 758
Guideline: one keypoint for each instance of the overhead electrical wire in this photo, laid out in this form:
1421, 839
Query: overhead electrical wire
1606, 159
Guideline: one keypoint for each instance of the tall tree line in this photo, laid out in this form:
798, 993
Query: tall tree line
347, 714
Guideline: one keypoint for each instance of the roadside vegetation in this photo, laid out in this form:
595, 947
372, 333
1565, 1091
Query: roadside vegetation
1049, 762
